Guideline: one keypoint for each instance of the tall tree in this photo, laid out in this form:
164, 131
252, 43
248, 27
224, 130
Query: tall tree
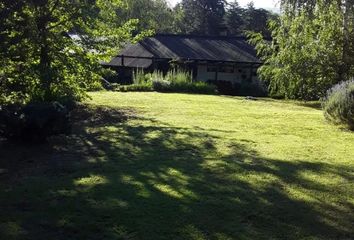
40, 61
346, 9
234, 18
179, 25
204, 16
256, 20
152, 14
309, 48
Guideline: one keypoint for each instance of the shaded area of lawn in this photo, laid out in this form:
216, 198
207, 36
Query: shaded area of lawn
130, 177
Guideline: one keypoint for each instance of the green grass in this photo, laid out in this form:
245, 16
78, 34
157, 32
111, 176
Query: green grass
180, 166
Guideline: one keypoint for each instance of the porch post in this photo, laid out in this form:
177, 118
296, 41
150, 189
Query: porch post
122, 59
251, 76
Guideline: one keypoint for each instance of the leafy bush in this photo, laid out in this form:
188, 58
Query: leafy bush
161, 86
192, 87
109, 75
256, 89
97, 86
144, 87
339, 104
33, 122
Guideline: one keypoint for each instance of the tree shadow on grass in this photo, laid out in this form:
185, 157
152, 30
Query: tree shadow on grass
311, 104
127, 177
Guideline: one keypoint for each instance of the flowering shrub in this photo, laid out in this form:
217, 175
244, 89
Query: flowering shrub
339, 104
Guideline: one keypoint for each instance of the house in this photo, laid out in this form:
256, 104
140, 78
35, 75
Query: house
208, 58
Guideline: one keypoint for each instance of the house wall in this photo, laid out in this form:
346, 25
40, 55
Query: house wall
234, 74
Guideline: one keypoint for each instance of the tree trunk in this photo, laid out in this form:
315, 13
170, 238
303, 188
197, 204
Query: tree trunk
347, 52
45, 71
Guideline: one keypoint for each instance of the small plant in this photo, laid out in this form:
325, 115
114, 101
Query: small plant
139, 77
179, 76
339, 104
154, 76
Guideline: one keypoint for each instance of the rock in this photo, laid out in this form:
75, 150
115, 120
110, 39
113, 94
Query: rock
250, 98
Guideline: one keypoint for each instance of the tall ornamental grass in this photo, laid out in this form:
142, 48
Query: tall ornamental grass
176, 80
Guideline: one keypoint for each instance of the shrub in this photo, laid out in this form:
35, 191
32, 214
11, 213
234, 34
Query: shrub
34, 122
192, 87
223, 87
255, 89
161, 86
204, 88
98, 85
179, 76
339, 104
109, 75
144, 87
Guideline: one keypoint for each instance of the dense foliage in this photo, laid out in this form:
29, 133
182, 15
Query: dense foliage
41, 61
203, 16
154, 15
50, 49
219, 16
339, 104
196, 17
310, 51
33, 122
238, 19
243, 88
177, 81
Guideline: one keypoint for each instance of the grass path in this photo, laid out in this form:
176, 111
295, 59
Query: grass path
179, 166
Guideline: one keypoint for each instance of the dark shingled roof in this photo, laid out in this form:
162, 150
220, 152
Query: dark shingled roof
203, 48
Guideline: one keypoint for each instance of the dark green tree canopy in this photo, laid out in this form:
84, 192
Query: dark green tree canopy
311, 50
203, 16
234, 18
212, 17
40, 61
152, 14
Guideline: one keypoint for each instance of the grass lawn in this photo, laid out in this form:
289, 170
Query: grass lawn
180, 166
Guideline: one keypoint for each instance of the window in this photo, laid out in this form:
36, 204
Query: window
227, 69
221, 69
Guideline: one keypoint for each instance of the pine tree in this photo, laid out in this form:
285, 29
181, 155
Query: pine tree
204, 16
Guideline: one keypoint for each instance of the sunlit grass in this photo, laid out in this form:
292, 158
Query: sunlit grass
185, 167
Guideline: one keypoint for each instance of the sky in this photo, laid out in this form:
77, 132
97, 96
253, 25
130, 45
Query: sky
267, 4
